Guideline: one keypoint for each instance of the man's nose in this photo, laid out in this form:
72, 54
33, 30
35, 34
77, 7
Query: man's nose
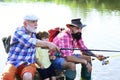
36, 24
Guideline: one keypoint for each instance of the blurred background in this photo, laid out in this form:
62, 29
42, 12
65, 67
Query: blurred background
102, 18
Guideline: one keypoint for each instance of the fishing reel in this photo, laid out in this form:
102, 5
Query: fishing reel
105, 61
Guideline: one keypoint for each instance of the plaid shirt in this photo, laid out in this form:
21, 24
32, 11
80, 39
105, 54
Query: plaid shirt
65, 40
23, 48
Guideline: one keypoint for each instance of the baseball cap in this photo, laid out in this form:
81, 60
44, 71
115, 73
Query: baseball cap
31, 17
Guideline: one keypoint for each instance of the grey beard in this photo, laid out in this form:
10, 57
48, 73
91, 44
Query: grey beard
30, 29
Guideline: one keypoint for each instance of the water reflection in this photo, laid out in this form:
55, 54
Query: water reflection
98, 4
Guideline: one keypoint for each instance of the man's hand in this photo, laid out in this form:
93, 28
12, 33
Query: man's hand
42, 67
100, 57
53, 48
52, 57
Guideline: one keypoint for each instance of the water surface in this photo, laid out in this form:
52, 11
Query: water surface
101, 32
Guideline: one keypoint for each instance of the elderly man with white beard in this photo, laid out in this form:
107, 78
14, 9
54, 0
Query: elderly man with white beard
21, 56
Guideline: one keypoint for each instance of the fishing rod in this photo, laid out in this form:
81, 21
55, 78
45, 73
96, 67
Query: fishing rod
89, 49
104, 62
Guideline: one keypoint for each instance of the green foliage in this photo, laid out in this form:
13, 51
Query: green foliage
85, 4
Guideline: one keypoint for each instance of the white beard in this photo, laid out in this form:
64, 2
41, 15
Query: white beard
31, 29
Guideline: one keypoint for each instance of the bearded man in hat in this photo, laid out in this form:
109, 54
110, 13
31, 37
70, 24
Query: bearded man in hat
21, 56
71, 39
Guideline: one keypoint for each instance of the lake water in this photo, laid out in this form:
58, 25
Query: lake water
102, 30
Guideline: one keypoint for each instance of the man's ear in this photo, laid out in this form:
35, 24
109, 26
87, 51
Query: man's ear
71, 28
24, 23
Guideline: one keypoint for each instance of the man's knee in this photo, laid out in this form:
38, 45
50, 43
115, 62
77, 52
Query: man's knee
28, 72
27, 76
88, 58
72, 66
